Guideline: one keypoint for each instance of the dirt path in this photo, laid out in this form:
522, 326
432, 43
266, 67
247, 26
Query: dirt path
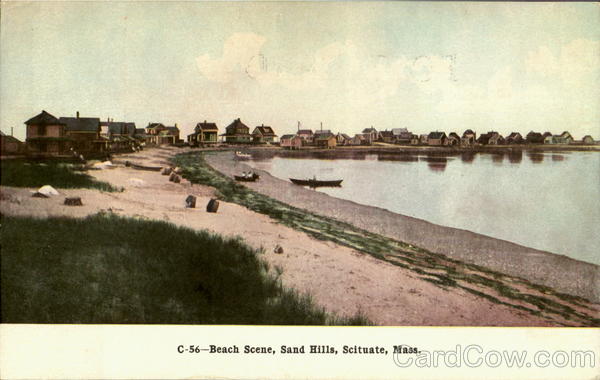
340, 279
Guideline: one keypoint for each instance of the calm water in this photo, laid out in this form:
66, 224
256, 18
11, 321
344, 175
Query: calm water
549, 201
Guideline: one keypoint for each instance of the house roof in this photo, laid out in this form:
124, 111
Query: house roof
369, 130
468, 132
173, 129
436, 135
43, 118
154, 125
324, 137
9, 138
81, 124
206, 126
398, 131
514, 134
454, 134
387, 134
265, 130
236, 124
285, 137
305, 132
344, 136
140, 131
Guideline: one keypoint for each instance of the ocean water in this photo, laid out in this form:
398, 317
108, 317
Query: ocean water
544, 200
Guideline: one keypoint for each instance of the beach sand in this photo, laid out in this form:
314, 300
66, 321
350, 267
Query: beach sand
342, 280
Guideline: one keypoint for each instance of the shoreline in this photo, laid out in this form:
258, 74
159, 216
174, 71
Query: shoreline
559, 272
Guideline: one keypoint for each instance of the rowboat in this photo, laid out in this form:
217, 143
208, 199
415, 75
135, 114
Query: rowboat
242, 178
242, 156
316, 183
142, 167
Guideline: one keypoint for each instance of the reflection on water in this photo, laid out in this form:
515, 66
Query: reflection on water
547, 204
536, 157
467, 157
515, 156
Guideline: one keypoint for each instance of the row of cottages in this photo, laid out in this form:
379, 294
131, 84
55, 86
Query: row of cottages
160, 134
47, 135
239, 133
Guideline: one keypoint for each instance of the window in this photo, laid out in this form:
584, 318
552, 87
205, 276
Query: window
41, 130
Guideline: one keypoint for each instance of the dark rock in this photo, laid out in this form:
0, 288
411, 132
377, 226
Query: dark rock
190, 201
73, 201
172, 177
278, 249
167, 171
37, 194
177, 179
212, 206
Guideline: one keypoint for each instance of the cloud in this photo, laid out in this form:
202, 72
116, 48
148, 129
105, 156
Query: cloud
573, 64
241, 53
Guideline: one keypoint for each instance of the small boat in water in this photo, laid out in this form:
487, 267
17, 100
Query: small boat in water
317, 183
242, 156
245, 178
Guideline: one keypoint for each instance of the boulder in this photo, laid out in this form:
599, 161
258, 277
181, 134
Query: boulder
190, 201
172, 177
167, 171
47, 190
177, 179
278, 249
73, 201
212, 206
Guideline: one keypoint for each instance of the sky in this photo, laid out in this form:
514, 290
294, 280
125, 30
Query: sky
425, 66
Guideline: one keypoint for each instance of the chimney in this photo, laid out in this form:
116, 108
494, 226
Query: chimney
78, 114
321, 126
11, 131
298, 125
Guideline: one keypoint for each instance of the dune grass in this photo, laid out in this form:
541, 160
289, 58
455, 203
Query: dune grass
23, 173
109, 269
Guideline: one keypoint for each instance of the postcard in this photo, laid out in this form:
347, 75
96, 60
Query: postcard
300, 189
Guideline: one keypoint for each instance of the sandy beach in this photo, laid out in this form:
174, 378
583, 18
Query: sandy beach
340, 279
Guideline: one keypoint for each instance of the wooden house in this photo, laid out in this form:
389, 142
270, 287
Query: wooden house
469, 138
46, 136
588, 140
453, 139
326, 141
153, 130
306, 135
263, 134
204, 133
84, 133
402, 136
423, 139
10, 145
514, 138
491, 138
237, 133
387, 137
437, 138
291, 141
371, 135
534, 138
342, 139
563, 138
357, 139
414, 139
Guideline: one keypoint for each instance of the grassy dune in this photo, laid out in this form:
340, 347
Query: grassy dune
22, 173
524, 296
108, 269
